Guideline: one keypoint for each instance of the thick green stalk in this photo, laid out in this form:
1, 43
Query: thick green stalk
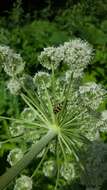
7, 177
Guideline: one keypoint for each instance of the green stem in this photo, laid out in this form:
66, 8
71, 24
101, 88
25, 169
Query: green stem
53, 82
57, 158
7, 177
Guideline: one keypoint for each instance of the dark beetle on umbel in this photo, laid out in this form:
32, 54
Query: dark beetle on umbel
57, 108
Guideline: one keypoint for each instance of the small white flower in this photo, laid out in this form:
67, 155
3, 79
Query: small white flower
104, 115
14, 156
12, 62
92, 94
49, 168
51, 56
23, 183
52, 147
42, 78
14, 86
16, 129
102, 123
78, 53
28, 114
67, 171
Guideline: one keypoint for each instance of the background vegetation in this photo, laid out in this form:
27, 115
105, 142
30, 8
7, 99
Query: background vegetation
29, 26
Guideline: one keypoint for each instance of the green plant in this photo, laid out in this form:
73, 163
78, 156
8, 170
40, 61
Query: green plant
16, 14
61, 116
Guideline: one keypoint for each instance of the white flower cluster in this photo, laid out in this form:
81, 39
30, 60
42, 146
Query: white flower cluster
28, 114
12, 62
52, 147
95, 163
92, 94
49, 168
16, 129
76, 54
14, 86
104, 115
42, 78
67, 171
23, 183
33, 136
14, 156
51, 57
102, 123
13, 65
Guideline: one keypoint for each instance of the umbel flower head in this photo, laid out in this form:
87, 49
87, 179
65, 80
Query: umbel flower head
12, 62
14, 156
23, 183
76, 54
61, 105
14, 86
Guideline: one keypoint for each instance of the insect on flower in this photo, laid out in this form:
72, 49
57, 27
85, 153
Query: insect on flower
57, 108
